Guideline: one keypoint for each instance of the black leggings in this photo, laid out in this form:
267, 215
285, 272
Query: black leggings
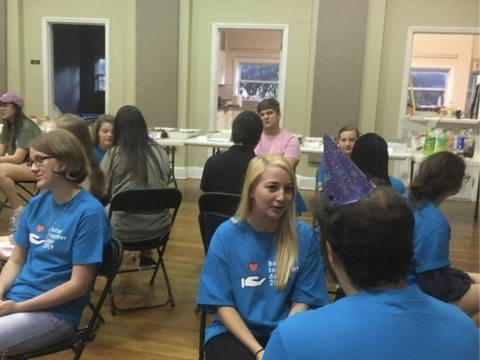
226, 346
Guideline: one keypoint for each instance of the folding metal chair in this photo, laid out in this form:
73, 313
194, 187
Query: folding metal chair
148, 201
215, 208
112, 258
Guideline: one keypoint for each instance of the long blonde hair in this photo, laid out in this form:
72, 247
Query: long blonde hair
286, 240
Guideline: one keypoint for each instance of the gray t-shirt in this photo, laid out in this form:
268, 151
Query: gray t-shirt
127, 227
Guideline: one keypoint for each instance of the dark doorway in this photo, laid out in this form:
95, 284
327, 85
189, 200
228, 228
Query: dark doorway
79, 69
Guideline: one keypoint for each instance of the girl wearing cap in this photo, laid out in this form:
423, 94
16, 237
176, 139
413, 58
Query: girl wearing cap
18, 132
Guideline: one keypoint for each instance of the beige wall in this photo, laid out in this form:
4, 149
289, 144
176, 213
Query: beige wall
156, 75
301, 17
25, 43
449, 52
3, 46
383, 64
476, 47
399, 15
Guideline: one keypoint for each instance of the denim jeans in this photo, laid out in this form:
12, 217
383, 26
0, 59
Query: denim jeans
24, 332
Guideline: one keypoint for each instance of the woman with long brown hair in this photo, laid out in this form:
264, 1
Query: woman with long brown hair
135, 162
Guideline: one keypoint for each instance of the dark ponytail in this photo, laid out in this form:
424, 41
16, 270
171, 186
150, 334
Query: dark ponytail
438, 174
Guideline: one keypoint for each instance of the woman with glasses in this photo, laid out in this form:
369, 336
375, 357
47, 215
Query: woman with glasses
136, 162
17, 134
262, 266
46, 283
441, 175
95, 182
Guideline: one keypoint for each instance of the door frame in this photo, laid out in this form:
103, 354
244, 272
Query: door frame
282, 76
47, 54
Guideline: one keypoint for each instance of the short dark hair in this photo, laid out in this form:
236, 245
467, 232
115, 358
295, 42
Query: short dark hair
247, 129
438, 173
349, 128
370, 154
372, 237
266, 104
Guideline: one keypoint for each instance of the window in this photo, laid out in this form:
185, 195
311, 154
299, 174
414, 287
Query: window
257, 79
100, 83
428, 88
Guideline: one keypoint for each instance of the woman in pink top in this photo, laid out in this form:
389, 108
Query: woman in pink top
274, 139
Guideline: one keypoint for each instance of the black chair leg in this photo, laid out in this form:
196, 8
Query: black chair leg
92, 307
160, 254
167, 281
201, 340
170, 300
113, 307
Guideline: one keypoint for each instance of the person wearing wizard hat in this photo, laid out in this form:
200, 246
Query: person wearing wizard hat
367, 237
17, 134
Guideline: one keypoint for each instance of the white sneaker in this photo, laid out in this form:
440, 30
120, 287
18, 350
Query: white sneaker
14, 220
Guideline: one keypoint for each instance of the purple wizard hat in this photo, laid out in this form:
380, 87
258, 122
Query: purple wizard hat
344, 182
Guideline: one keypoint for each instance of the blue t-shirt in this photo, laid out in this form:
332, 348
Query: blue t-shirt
59, 237
397, 185
239, 272
400, 324
431, 241
99, 153
300, 205
321, 172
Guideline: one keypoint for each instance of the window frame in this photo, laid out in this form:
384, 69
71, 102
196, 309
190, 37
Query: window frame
98, 74
253, 61
446, 89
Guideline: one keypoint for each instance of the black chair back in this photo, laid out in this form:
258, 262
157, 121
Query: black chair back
112, 258
215, 208
146, 201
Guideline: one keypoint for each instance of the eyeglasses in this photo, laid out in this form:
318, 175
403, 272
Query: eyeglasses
465, 179
5, 105
38, 160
